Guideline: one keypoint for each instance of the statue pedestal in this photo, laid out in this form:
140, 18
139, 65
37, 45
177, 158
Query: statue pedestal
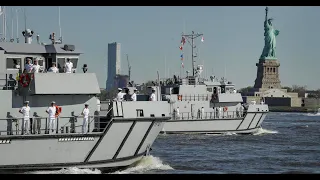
268, 74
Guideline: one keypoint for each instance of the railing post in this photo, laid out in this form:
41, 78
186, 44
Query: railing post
6, 81
46, 129
57, 127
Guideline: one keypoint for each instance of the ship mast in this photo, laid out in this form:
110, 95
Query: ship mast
192, 37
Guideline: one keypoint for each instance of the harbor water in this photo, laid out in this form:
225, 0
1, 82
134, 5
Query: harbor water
287, 143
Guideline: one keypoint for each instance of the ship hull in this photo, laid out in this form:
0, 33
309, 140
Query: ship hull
247, 125
122, 143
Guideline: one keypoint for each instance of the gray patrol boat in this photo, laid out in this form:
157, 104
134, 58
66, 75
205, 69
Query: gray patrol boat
199, 105
119, 133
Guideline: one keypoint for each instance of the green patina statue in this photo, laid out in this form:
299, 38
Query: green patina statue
269, 50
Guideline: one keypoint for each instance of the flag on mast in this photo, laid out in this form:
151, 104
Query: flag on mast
202, 39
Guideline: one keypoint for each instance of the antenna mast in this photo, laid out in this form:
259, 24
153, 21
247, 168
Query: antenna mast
129, 67
60, 34
12, 15
17, 16
192, 37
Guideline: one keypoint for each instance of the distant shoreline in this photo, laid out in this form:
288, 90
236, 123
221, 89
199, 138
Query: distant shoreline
291, 109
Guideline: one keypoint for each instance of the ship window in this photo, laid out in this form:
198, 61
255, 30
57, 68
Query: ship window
13, 63
175, 90
215, 90
60, 62
74, 62
140, 113
223, 89
209, 89
40, 62
151, 115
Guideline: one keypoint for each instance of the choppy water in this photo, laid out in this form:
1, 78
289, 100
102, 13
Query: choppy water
288, 143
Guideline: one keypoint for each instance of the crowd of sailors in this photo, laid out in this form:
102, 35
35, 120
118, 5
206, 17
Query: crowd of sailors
53, 112
126, 96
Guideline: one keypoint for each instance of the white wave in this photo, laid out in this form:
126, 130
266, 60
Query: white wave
312, 114
147, 163
264, 131
71, 170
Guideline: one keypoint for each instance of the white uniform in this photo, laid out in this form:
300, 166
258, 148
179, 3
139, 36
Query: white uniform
134, 97
202, 113
153, 97
26, 119
120, 96
68, 66
85, 113
98, 105
35, 68
53, 69
177, 113
28, 67
52, 118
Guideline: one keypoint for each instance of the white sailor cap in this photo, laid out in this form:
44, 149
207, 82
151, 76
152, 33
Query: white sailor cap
26, 102
135, 89
153, 89
53, 102
119, 89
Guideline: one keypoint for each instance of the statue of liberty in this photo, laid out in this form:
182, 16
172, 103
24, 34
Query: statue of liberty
269, 50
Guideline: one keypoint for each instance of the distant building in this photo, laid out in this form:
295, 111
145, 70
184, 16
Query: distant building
114, 64
121, 81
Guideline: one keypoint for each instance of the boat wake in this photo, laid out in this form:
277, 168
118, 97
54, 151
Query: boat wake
312, 114
262, 131
148, 163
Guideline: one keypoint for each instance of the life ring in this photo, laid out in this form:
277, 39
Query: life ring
180, 97
225, 109
58, 111
24, 80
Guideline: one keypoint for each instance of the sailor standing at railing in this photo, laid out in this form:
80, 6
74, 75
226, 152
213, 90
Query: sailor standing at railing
134, 95
85, 114
25, 110
119, 95
52, 118
177, 113
68, 66
202, 113
153, 95
36, 67
28, 66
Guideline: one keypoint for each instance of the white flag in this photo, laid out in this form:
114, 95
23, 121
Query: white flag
1, 10
202, 39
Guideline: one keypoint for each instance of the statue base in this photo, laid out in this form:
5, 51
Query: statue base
268, 74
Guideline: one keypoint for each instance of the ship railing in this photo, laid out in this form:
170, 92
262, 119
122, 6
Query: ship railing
8, 81
40, 125
196, 97
208, 115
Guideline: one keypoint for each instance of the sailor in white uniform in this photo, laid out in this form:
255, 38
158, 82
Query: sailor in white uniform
153, 96
177, 113
52, 116
85, 113
202, 113
119, 95
68, 66
134, 95
36, 67
25, 110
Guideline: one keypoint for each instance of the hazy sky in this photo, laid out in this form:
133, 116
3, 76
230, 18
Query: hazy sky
233, 36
